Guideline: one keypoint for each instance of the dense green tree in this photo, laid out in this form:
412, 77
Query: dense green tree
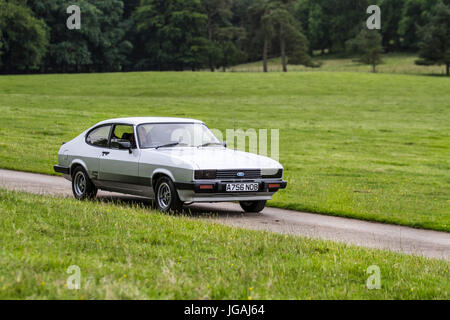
329, 24
1, 40
415, 13
298, 55
173, 34
129, 7
264, 25
229, 53
23, 37
367, 44
275, 19
345, 17
317, 28
259, 32
247, 44
313, 16
289, 34
391, 14
434, 46
99, 45
218, 15
112, 49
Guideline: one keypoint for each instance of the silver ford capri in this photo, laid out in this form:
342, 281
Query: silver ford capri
174, 161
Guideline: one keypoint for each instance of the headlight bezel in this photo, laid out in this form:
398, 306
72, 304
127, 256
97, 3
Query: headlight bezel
205, 174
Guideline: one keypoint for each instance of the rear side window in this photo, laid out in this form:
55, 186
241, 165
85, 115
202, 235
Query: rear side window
99, 137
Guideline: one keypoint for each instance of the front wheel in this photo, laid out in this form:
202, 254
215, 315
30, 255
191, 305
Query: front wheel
253, 206
82, 186
166, 196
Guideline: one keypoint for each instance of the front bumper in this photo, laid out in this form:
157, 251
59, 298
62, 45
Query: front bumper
220, 186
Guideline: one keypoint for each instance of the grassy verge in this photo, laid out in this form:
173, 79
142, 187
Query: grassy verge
392, 63
131, 252
370, 146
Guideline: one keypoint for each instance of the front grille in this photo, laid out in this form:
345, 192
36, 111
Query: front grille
233, 174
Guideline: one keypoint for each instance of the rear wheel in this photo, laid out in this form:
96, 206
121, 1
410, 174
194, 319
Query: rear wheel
166, 196
82, 186
253, 206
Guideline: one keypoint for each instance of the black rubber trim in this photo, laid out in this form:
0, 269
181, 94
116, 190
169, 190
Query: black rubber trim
123, 178
184, 185
61, 169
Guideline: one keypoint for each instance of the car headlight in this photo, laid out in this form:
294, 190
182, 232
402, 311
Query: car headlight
272, 173
205, 174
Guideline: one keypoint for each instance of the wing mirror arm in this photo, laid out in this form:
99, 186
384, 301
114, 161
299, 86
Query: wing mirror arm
125, 145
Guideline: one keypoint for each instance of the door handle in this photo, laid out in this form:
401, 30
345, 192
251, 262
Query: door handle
105, 153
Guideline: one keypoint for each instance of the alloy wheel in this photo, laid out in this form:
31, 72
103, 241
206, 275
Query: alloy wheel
80, 183
164, 196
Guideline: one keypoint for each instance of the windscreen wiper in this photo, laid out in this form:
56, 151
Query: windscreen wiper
208, 144
167, 145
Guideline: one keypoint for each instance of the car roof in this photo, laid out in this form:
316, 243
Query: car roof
140, 120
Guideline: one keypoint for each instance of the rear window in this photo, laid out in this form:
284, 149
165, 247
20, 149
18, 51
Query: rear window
99, 136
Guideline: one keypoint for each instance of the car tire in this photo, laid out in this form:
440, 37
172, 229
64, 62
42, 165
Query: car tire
82, 186
166, 196
253, 206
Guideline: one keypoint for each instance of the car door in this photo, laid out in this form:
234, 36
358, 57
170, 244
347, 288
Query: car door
97, 140
119, 168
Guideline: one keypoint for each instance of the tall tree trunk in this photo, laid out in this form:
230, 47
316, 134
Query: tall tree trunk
283, 49
374, 70
266, 48
209, 27
448, 68
283, 54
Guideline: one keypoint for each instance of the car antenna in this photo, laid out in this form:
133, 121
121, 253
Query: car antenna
234, 127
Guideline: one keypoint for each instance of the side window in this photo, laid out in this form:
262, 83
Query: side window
122, 132
99, 137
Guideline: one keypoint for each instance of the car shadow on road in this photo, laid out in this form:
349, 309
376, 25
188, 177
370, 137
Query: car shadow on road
203, 210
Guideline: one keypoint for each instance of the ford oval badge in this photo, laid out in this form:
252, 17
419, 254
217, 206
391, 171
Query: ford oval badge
240, 174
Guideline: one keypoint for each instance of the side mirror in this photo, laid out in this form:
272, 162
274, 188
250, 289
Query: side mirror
224, 144
124, 145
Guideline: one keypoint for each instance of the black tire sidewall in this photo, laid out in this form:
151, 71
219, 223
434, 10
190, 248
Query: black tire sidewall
253, 206
90, 190
175, 203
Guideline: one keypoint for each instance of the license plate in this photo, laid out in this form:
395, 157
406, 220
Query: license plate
242, 187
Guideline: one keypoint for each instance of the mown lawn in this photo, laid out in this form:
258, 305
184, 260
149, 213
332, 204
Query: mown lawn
402, 63
127, 252
369, 146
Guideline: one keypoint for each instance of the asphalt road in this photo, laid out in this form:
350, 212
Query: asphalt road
426, 243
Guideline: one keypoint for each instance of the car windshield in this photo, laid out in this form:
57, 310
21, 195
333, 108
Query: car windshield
159, 135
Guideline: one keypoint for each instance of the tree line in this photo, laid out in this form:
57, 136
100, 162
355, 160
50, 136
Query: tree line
136, 35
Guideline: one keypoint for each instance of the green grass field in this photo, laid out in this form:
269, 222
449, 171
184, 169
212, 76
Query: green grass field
401, 63
369, 146
129, 252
